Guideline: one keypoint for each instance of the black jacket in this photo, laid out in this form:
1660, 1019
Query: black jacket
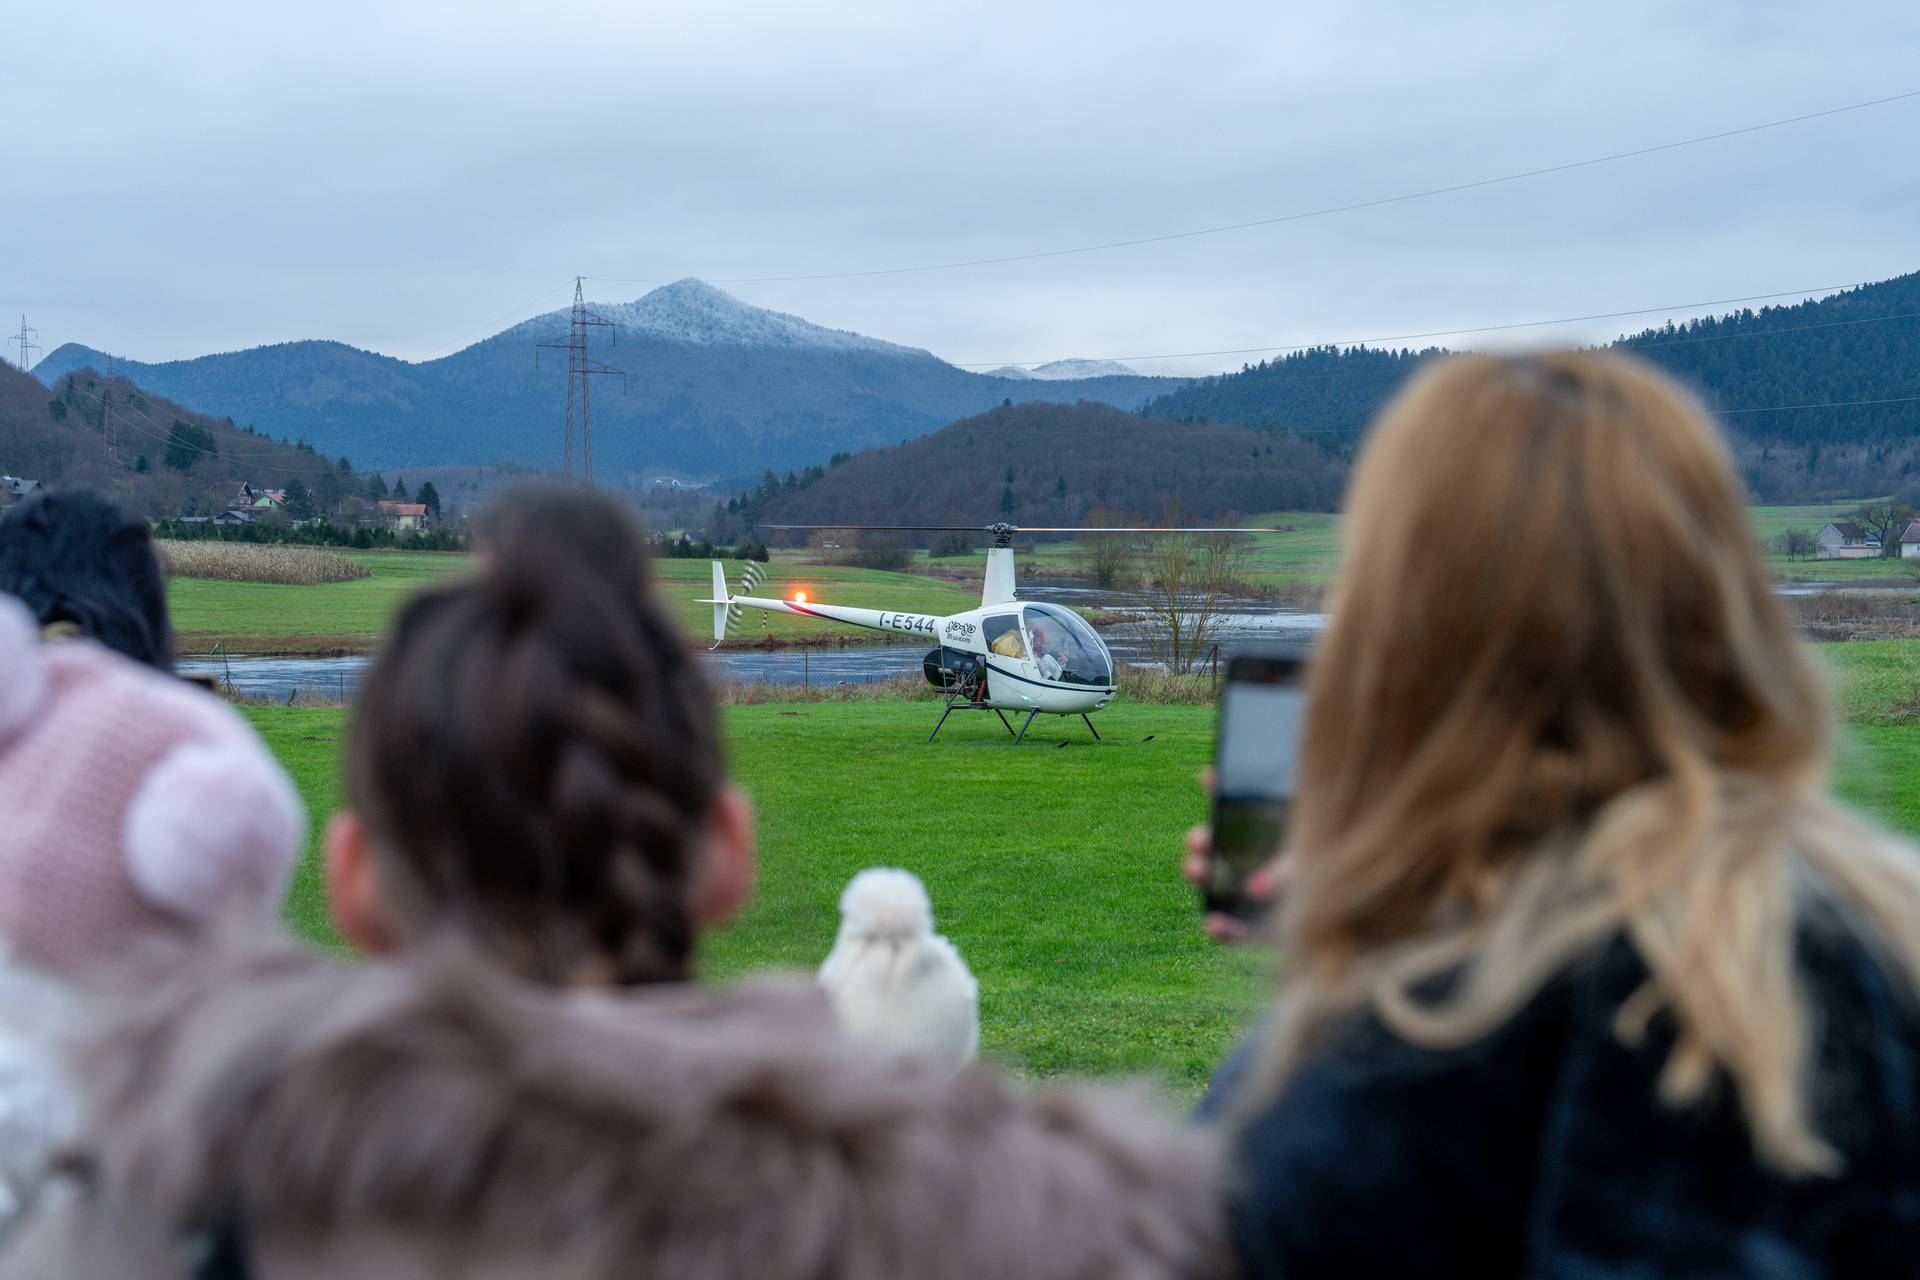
1543, 1151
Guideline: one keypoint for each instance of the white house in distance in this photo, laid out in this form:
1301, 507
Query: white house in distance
1845, 540
1910, 542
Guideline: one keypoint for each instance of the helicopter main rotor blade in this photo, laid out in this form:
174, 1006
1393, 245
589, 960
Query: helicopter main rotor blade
1019, 528
886, 528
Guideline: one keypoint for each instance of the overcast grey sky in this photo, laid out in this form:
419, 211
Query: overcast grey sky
408, 177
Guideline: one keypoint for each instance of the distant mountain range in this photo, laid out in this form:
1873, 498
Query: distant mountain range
716, 388
1062, 370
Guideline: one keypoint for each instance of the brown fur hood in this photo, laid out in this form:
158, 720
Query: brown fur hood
433, 1118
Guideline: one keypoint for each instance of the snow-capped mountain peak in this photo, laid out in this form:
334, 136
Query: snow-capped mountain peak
1058, 370
694, 311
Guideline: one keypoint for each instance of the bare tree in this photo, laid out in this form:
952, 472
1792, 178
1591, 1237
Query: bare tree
1885, 520
1796, 544
1185, 580
1106, 558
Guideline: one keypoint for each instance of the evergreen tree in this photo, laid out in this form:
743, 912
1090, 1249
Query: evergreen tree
399, 487
299, 500
1006, 500
188, 444
376, 487
430, 498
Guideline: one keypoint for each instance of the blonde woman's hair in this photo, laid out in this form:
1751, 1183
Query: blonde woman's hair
1557, 703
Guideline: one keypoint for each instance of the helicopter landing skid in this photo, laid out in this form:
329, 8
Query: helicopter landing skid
963, 702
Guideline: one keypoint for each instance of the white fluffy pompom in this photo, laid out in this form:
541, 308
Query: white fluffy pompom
886, 903
215, 828
23, 676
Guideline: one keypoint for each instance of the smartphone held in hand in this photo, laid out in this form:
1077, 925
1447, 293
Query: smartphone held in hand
1254, 763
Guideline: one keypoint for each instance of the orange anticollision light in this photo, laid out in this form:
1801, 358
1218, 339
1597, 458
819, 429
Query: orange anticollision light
799, 597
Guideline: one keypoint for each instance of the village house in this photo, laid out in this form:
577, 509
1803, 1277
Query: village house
1845, 540
1910, 542
14, 488
401, 517
234, 515
260, 499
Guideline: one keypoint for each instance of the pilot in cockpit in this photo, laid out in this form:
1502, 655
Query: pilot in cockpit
1050, 649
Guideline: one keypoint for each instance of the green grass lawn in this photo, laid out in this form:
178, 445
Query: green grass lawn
258, 617
1053, 869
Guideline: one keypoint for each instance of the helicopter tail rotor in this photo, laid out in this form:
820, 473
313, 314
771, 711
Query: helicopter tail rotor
725, 611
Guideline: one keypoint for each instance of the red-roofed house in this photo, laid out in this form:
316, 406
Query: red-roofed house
402, 517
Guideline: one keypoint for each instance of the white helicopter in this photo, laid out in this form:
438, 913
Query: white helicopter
1007, 655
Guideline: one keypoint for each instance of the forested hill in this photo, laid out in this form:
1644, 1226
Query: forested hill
155, 456
1863, 344
1054, 464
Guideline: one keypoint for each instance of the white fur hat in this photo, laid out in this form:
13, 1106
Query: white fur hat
130, 804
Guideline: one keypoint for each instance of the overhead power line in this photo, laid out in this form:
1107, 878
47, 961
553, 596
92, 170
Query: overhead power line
164, 435
1301, 215
1443, 333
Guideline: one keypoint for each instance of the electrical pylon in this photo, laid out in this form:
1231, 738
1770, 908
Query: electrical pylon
582, 368
25, 340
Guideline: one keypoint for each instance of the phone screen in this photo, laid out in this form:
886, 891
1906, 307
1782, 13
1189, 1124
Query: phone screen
1254, 764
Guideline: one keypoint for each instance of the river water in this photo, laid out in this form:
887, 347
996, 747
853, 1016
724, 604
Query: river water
1251, 622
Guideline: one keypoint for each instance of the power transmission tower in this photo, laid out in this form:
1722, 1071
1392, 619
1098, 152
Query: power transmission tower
582, 368
106, 413
27, 346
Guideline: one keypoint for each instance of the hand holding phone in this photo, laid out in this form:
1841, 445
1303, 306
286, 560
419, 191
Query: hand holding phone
1254, 767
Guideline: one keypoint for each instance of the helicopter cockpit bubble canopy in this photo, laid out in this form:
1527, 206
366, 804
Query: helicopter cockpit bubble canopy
1064, 647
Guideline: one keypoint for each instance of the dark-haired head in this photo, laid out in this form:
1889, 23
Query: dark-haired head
78, 558
535, 763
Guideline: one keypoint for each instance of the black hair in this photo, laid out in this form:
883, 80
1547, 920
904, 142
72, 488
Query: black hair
535, 753
76, 556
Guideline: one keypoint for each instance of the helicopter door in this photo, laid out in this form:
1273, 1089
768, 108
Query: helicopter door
1008, 643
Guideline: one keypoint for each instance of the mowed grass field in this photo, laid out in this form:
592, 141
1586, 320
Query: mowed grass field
1052, 868
259, 617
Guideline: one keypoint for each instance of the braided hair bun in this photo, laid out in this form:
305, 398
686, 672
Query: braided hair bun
535, 753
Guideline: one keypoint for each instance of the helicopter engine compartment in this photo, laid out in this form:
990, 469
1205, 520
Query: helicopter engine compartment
948, 669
